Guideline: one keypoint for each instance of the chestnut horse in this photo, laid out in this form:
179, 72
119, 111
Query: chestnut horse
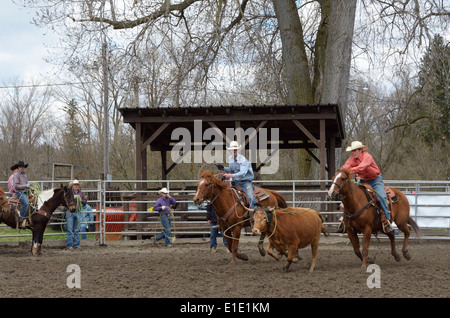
39, 218
360, 215
5, 208
232, 215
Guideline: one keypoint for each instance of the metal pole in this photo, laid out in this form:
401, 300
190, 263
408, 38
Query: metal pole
105, 113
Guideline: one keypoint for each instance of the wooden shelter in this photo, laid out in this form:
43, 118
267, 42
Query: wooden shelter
299, 126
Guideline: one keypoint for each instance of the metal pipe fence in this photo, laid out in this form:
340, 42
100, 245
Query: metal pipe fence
122, 212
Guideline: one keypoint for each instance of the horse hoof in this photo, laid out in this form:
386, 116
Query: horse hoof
397, 258
406, 255
243, 257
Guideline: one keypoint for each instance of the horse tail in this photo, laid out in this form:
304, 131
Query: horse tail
414, 226
280, 199
324, 229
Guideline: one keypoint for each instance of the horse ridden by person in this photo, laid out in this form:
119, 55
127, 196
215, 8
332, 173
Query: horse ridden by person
231, 208
47, 203
362, 214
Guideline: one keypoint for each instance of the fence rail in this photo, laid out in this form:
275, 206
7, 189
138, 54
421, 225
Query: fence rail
122, 212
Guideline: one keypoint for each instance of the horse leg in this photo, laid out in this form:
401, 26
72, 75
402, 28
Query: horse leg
366, 242
260, 244
236, 236
353, 236
406, 230
34, 243
393, 251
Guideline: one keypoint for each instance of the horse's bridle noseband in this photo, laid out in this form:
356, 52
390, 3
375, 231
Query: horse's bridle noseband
210, 190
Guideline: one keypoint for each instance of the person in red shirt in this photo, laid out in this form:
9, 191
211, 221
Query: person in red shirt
362, 164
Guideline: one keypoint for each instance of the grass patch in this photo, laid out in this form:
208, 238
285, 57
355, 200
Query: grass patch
13, 235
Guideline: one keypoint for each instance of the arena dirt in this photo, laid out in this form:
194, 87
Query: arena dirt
141, 269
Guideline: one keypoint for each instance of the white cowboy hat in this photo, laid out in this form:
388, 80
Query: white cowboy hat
75, 182
234, 146
356, 145
163, 190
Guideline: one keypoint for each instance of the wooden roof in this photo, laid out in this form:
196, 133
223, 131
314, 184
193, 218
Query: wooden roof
299, 125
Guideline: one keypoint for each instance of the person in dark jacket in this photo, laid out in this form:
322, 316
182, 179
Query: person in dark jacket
211, 217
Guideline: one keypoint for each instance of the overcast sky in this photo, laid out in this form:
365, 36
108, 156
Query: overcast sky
22, 46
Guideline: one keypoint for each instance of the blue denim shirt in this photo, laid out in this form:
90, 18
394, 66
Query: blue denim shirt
240, 168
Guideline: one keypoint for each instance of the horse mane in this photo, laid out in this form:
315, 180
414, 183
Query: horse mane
47, 202
346, 171
210, 176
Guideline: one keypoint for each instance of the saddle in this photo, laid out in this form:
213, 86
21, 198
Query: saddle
259, 193
16, 206
390, 196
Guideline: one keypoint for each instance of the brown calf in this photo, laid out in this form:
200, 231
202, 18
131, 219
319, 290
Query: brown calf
289, 229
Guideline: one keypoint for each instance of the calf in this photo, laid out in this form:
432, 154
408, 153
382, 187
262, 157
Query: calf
290, 229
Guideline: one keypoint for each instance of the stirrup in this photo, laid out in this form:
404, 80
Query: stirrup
387, 227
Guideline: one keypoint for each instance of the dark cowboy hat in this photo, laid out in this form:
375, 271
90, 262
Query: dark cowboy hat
14, 167
22, 164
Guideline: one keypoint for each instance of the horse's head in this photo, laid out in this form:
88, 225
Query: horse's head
341, 180
69, 199
4, 203
205, 187
262, 219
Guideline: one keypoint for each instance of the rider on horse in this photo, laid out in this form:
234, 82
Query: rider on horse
362, 164
21, 186
241, 171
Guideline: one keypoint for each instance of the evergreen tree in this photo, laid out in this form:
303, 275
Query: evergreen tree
433, 92
73, 135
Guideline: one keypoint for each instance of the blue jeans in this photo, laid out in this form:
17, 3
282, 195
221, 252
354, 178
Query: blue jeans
248, 189
215, 233
23, 198
73, 229
378, 185
166, 223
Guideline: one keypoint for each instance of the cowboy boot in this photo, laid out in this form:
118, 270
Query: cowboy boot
387, 227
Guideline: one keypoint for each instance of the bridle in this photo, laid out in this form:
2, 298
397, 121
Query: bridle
340, 187
210, 190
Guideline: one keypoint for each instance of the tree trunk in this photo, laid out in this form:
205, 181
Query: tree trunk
294, 53
338, 52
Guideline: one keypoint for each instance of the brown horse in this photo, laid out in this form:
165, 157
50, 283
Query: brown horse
232, 214
360, 215
5, 207
39, 218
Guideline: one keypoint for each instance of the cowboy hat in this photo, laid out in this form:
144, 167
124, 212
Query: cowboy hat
163, 190
356, 145
234, 146
75, 182
22, 164
14, 167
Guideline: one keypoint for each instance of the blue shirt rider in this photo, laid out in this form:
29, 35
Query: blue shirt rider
241, 171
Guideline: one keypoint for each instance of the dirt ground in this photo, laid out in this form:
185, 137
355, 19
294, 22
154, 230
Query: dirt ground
189, 270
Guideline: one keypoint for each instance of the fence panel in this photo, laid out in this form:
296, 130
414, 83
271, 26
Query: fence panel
123, 212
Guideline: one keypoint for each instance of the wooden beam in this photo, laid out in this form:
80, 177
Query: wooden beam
253, 134
154, 135
322, 152
306, 132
